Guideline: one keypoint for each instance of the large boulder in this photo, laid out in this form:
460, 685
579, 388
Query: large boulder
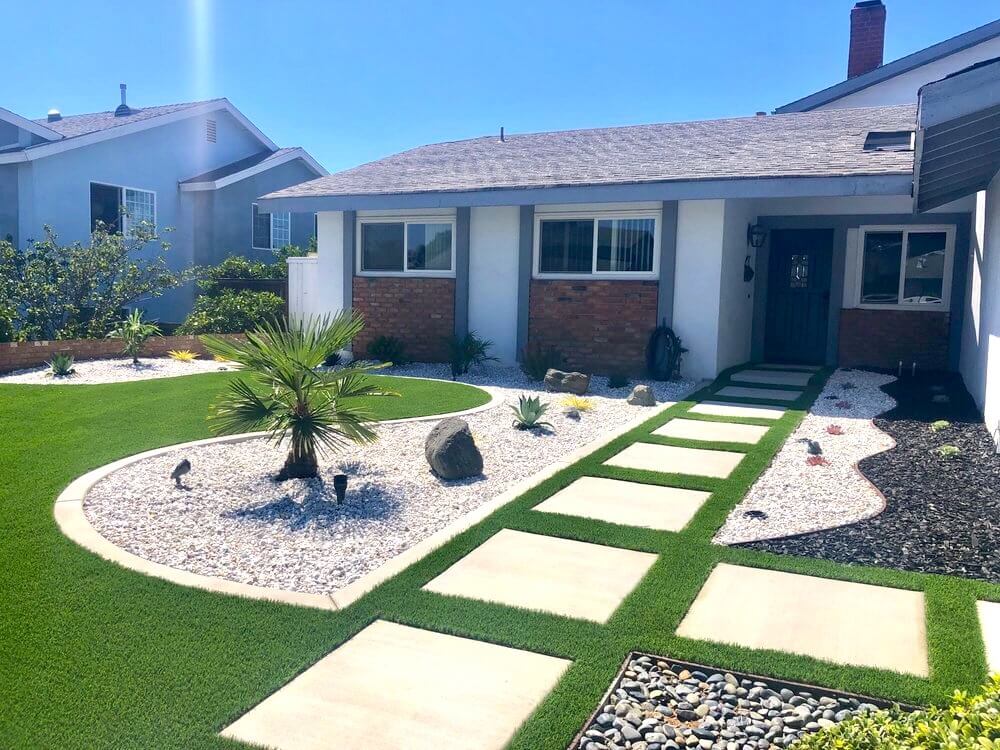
451, 451
567, 382
642, 395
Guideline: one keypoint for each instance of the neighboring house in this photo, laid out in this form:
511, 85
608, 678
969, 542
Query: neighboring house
195, 167
791, 238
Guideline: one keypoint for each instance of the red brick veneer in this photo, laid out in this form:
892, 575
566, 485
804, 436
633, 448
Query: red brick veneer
419, 311
598, 326
881, 338
18, 356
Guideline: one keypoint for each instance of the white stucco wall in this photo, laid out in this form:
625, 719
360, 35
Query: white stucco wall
736, 296
697, 286
980, 361
902, 89
493, 259
304, 299
316, 285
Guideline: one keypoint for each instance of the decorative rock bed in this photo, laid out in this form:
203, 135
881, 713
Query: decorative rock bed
660, 704
231, 520
796, 495
942, 513
120, 370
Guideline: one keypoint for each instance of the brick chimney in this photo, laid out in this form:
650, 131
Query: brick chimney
867, 37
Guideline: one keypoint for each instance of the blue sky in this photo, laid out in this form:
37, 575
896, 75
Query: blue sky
355, 81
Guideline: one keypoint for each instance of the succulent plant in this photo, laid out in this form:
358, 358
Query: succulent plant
817, 461
529, 412
834, 429
61, 365
182, 355
941, 424
947, 451
577, 402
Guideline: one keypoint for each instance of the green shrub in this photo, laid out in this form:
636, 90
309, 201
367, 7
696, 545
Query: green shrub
232, 312
466, 351
61, 365
240, 267
134, 331
967, 723
538, 360
388, 349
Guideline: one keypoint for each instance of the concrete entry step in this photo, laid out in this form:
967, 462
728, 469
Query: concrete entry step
341, 700
989, 622
838, 621
670, 459
724, 409
534, 571
768, 394
628, 503
778, 366
721, 432
772, 377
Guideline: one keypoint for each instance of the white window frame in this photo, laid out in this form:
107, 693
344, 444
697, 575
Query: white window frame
405, 221
596, 216
121, 204
270, 228
907, 230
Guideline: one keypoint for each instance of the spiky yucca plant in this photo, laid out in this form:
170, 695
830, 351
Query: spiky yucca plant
182, 355
133, 331
286, 392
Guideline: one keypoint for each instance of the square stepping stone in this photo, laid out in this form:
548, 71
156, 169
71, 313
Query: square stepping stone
773, 377
769, 394
562, 576
989, 622
722, 432
341, 701
627, 503
669, 459
723, 409
778, 366
838, 621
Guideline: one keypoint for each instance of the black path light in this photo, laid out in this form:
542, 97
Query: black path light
340, 487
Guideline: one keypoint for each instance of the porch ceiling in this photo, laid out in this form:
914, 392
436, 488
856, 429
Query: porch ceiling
958, 136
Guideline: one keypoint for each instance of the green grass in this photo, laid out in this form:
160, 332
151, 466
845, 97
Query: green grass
92, 655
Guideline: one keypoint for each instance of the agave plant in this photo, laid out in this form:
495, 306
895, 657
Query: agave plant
529, 412
134, 331
61, 365
288, 393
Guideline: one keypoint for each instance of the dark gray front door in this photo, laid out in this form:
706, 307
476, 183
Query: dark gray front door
798, 295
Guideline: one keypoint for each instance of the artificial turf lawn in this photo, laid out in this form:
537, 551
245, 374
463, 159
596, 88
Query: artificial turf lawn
97, 656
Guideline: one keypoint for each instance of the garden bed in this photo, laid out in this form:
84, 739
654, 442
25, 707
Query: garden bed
796, 496
231, 520
660, 702
942, 513
120, 370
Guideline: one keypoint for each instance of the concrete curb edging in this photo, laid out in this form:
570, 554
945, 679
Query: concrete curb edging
72, 521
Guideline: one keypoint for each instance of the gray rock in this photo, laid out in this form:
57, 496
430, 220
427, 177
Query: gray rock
642, 395
451, 451
567, 382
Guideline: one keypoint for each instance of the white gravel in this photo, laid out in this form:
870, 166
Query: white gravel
800, 498
94, 371
232, 521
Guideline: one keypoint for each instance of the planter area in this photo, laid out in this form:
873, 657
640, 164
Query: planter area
120, 370
798, 495
656, 702
942, 511
229, 519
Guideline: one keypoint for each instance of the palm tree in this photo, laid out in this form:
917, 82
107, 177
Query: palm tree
133, 331
287, 393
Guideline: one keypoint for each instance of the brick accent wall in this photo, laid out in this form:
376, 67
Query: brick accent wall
598, 326
881, 338
21, 355
418, 311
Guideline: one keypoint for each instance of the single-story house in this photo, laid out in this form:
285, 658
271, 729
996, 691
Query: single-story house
792, 237
196, 167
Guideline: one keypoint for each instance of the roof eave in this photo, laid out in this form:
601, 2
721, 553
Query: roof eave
291, 155
755, 187
896, 67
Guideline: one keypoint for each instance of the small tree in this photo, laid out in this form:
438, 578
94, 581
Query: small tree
287, 393
134, 332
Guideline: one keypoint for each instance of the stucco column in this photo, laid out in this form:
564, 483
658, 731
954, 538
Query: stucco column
526, 231
462, 225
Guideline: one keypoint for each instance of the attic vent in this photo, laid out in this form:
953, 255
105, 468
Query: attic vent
210, 131
893, 140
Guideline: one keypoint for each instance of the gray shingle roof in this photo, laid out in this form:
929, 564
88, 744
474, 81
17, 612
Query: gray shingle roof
71, 126
238, 166
811, 144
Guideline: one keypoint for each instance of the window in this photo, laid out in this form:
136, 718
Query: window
904, 267
270, 231
403, 246
596, 245
119, 208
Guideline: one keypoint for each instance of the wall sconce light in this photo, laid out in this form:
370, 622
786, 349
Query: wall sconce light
756, 234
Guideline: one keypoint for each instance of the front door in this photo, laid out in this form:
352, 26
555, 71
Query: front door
798, 295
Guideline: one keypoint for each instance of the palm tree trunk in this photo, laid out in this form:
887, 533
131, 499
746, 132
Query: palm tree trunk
299, 466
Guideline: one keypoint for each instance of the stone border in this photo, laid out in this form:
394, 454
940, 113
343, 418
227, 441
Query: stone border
73, 522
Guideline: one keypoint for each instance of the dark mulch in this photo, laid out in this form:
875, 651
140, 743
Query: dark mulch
942, 513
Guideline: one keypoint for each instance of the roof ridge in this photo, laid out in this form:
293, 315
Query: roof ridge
136, 110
